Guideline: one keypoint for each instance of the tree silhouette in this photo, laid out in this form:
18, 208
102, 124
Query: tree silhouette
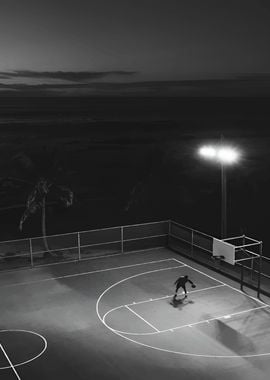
37, 201
41, 173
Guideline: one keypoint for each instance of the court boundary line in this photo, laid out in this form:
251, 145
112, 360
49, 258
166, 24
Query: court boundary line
83, 273
76, 261
139, 316
10, 362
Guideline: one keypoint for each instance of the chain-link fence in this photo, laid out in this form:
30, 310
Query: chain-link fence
15, 254
81, 245
101, 242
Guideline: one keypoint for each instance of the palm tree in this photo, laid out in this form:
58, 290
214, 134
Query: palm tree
36, 201
39, 173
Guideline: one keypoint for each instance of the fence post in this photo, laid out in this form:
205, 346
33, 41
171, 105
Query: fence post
122, 239
169, 233
242, 277
259, 272
252, 270
31, 252
192, 242
79, 246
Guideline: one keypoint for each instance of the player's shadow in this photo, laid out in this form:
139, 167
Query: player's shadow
180, 302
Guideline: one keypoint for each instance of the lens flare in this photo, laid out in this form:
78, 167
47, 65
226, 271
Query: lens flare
227, 155
207, 151
221, 154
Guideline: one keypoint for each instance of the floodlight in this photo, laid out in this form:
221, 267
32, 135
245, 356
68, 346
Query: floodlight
207, 151
221, 154
227, 155
224, 156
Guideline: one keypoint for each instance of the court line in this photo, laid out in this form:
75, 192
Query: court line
138, 315
35, 357
128, 278
72, 260
181, 352
39, 266
215, 318
168, 350
169, 296
85, 273
187, 325
10, 363
213, 278
226, 316
157, 299
150, 300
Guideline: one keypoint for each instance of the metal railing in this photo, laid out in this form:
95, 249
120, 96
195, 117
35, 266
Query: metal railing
84, 245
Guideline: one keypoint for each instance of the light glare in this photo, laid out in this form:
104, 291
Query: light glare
207, 151
221, 154
227, 155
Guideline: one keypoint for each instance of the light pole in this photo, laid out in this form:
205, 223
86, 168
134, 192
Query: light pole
223, 201
225, 156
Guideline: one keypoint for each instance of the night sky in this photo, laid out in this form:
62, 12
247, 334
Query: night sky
134, 46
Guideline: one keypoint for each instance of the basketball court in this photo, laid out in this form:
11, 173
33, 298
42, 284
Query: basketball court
113, 317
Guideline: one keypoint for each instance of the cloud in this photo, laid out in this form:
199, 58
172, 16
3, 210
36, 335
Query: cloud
238, 85
73, 76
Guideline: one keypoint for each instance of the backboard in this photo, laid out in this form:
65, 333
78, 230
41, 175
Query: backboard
224, 250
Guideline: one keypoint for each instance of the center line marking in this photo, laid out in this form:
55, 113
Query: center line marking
10, 363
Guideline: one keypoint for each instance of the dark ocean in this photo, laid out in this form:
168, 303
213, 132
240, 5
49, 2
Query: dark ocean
132, 160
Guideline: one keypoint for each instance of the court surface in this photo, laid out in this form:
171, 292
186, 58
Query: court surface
113, 318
